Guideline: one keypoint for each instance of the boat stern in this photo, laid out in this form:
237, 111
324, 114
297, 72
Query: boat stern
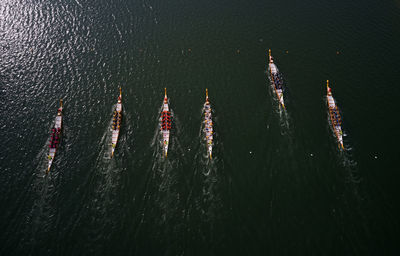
165, 148
165, 145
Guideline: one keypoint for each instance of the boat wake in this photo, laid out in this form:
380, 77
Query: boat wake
43, 213
106, 142
204, 207
101, 207
284, 119
346, 159
102, 202
160, 208
43, 192
204, 201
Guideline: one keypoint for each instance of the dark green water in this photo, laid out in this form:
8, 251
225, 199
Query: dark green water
278, 184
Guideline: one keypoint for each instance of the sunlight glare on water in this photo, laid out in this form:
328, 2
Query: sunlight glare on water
277, 182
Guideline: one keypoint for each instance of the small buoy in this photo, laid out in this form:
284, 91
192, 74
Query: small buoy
311, 154
251, 152
375, 157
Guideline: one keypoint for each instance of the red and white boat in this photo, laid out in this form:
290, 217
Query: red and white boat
276, 79
165, 123
334, 114
55, 137
208, 126
116, 125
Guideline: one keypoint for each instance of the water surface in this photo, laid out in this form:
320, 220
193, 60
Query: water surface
278, 183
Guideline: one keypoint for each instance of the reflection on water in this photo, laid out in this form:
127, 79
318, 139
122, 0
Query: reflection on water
276, 181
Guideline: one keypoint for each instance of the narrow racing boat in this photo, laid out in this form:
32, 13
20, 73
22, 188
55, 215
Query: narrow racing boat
116, 126
55, 137
334, 115
165, 123
208, 126
276, 79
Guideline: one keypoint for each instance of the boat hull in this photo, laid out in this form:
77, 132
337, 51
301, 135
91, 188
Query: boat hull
53, 151
115, 132
278, 92
208, 128
337, 129
116, 126
165, 132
